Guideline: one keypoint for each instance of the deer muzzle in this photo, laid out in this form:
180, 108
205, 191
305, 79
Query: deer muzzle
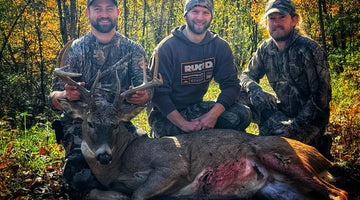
103, 154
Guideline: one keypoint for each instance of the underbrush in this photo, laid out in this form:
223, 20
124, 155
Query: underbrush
344, 127
30, 162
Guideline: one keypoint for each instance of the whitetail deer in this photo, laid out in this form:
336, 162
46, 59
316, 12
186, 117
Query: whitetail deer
208, 164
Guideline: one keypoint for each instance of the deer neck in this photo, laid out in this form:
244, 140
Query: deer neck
123, 140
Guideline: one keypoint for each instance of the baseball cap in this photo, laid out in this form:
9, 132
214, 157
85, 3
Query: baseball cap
284, 7
90, 2
190, 4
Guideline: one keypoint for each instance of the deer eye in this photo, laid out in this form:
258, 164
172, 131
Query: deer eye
115, 126
91, 125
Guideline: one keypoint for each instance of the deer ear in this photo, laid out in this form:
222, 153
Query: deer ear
65, 104
129, 111
74, 108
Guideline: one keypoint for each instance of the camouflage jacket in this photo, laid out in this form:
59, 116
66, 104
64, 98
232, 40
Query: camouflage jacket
299, 75
87, 55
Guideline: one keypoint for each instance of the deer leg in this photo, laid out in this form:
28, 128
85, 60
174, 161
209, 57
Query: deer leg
157, 183
299, 170
281, 191
96, 194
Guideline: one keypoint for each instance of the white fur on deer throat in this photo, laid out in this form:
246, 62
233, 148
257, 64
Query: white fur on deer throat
86, 150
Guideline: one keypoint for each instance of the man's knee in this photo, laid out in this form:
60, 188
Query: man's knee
78, 174
161, 126
58, 128
237, 117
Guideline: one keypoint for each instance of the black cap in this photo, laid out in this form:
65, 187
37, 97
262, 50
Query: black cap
90, 2
284, 7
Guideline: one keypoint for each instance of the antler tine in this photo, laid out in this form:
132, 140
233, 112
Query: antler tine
156, 81
118, 97
63, 54
65, 77
95, 82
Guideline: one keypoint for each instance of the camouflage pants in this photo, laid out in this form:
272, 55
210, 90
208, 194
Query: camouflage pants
270, 123
77, 173
236, 117
311, 134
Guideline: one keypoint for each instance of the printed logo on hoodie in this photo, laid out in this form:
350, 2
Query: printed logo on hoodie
197, 72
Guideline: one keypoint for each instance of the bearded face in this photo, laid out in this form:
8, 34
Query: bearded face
103, 15
198, 19
103, 24
280, 26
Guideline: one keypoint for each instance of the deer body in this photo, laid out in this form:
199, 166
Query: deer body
209, 164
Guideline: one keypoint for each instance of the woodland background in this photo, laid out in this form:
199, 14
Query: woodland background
32, 32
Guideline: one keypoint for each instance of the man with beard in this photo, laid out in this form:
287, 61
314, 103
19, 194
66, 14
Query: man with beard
104, 49
188, 60
298, 72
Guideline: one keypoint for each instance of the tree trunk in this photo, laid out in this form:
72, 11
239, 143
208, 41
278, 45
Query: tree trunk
41, 63
143, 25
126, 15
158, 35
63, 29
72, 17
321, 21
171, 18
254, 37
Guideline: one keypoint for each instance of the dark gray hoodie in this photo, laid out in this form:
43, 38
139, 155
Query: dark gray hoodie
187, 69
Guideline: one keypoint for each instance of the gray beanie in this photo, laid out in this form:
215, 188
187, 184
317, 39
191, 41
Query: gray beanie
190, 4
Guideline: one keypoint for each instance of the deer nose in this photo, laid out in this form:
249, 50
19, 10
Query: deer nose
104, 158
103, 154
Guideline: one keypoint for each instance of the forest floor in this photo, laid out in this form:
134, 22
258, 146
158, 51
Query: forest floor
19, 182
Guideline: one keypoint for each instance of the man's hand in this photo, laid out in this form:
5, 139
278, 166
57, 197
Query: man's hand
140, 97
262, 99
71, 92
288, 127
179, 121
189, 126
209, 119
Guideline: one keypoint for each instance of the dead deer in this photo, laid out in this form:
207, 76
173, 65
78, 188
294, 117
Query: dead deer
208, 164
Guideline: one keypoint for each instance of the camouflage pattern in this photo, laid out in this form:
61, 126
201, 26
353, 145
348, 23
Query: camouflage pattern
300, 78
237, 117
87, 56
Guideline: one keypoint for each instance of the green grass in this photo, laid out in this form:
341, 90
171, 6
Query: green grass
34, 148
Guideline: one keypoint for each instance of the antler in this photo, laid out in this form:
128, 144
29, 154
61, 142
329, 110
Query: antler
156, 81
66, 76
